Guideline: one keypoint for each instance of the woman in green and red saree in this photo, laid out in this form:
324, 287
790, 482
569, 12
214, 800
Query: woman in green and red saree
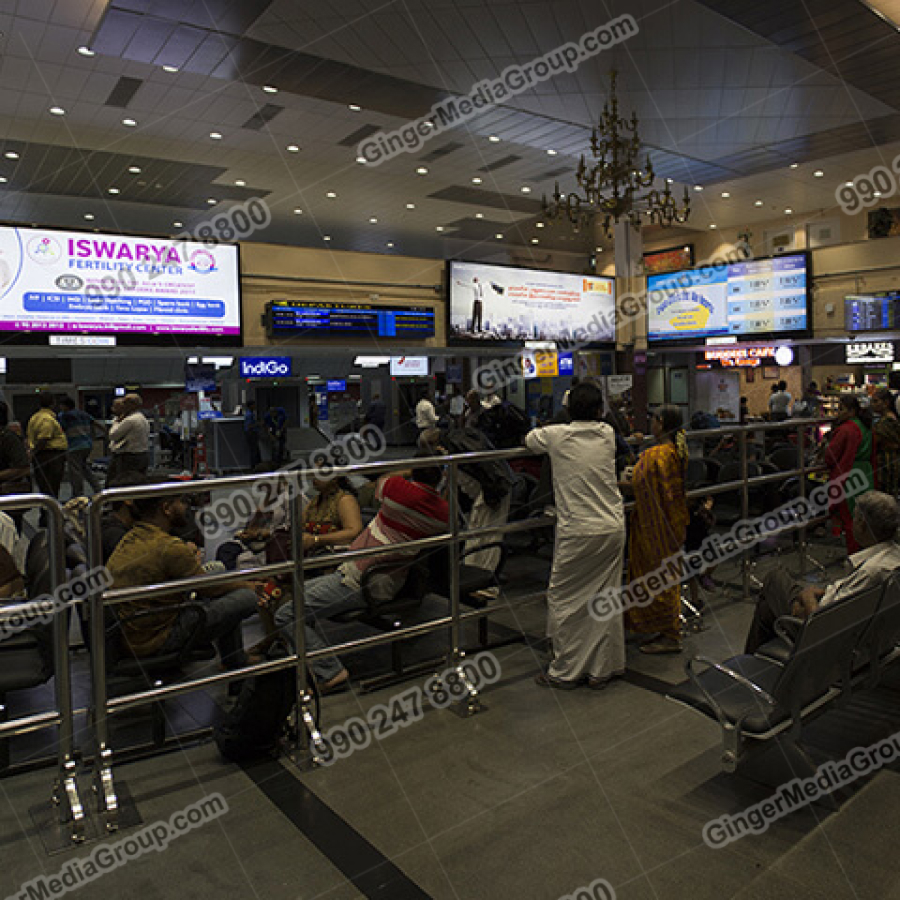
850, 447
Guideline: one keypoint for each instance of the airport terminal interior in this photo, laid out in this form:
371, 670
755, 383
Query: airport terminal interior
449, 449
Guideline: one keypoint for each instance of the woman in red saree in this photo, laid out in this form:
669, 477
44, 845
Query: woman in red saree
850, 446
658, 528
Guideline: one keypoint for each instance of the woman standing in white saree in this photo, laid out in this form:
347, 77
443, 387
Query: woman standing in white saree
590, 541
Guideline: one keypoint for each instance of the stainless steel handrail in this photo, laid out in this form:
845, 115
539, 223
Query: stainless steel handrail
102, 705
65, 789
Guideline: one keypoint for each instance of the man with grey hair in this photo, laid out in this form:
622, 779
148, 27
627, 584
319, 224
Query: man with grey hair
129, 438
876, 518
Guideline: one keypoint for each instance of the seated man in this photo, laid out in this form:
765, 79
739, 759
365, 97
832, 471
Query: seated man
411, 508
875, 522
118, 517
149, 553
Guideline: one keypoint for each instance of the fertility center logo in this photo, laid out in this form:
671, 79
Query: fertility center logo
44, 250
202, 262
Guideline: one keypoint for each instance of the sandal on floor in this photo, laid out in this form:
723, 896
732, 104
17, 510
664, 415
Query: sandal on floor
542, 679
661, 645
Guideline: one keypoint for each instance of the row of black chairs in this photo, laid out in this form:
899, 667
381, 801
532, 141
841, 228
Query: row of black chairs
813, 663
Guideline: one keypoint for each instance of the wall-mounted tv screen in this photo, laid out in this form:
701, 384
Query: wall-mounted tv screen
746, 299
873, 312
140, 289
502, 303
294, 318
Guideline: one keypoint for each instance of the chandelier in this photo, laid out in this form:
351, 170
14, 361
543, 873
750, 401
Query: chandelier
616, 187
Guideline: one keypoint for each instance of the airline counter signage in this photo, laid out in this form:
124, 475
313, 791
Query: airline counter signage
266, 367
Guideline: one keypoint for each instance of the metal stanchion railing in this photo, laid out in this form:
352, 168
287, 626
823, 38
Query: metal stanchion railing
65, 790
308, 734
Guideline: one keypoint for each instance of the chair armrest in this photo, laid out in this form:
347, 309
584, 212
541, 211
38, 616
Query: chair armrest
787, 627
742, 680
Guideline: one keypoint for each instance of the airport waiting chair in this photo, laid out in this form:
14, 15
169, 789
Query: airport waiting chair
26, 657
756, 699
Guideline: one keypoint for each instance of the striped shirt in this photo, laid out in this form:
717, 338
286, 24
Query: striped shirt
409, 511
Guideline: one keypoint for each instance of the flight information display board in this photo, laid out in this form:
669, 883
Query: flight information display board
292, 318
872, 313
745, 299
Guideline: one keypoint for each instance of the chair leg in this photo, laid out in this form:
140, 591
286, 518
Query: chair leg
483, 631
397, 657
158, 720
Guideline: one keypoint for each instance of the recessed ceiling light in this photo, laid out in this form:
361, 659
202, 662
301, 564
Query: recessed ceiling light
331, 195
298, 211
421, 171
326, 237
135, 170
293, 148
428, 124
354, 107
86, 51
89, 217
818, 173
129, 123
535, 241
170, 68
361, 160
758, 203
712, 225
670, 181
794, 165
476, 180
525, 189
215, 135
494, 139
538, 224
499, 237
114, 190
788, 212
57, 111
240, 182
212, 201
876, 193
725, 195
479, 215
848, 184
698, 187
11, 154
439, 228
598, 249
551, 153
410, 205
178, 224
373, 220
270, 89
3, 179
390, 244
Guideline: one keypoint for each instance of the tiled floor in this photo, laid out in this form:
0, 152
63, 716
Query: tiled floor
542, 793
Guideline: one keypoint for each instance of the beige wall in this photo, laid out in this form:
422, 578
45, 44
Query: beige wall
411, 282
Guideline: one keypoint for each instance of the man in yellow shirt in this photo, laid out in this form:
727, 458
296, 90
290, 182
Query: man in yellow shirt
48, 446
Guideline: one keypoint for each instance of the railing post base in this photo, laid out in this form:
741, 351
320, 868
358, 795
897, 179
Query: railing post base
104, 787
67, 799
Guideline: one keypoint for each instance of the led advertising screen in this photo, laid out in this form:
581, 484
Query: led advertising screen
70, 282
293, 318
743, 299
502, 303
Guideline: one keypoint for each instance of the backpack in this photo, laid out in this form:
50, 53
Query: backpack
504, 425
495, 476
253, 726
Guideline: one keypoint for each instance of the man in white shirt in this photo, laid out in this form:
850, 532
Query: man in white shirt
129, 438
426, 417
875, 521
590, 542
780, 402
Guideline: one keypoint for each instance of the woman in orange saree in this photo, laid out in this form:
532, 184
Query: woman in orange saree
658, 528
